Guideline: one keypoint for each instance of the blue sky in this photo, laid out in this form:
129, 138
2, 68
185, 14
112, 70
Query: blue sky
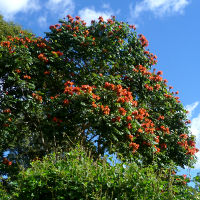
171, 26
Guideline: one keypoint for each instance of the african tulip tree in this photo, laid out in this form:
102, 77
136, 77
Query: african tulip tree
90, 84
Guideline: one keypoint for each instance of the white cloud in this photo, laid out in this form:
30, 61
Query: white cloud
9, 8
61, 7
88, 14
42, 21
191, 108
159, 7
106, 6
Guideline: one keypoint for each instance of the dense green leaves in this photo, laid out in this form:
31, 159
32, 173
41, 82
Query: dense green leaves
75, 175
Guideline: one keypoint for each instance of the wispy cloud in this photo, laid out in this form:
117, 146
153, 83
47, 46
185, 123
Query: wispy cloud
191, 108
89, 14
159, 7
42, 21
61, 7
10, 8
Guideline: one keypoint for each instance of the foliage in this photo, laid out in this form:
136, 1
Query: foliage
92, 85
8, 28
76, 176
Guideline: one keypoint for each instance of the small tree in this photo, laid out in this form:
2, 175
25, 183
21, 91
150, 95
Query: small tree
89, 84
8, 28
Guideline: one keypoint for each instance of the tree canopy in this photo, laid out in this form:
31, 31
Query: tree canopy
93, 85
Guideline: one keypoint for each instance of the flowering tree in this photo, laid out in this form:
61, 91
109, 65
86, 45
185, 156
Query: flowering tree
89, 84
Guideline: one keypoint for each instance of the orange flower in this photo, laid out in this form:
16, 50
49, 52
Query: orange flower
128, 118
143, 40
94, 105
7, 110
41, 56
129, 126
161, 117
134, 146
157, 149
130, 137
47, 72
157, 139
122, 111
159, 73
163, 146
116, 119
106, 110
27, 77
140, 130
66, 101
18, 71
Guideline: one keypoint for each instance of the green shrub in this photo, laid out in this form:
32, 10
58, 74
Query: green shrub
76, 176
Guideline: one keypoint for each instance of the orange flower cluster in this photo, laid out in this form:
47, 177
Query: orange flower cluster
105, 109
57, 53
13, 40
5, 44
128, 118
188, 122
140, 114
143, 40
27, 77
192, 151
70, 89
192, 143
150, 88
142, 69
168, 95
37, 97
161, 117
152, 58
187, 144
164, 129
56, 120
47, 72
18, 71
122, 111
6, 162
183, 136
41, 45
66, 102
157, 86
163, 146
157, 149
132, 26
156, 78
123, 94
43, 58
148, 126
116, 119
134, 146
156, 139
7, 110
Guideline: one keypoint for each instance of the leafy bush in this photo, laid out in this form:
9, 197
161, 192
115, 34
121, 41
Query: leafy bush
77, 176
